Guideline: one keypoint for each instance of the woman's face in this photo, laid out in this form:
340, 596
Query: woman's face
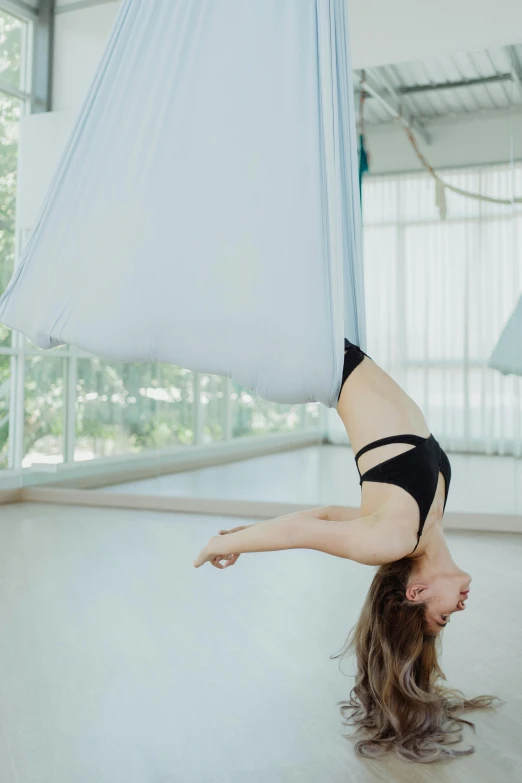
443, 595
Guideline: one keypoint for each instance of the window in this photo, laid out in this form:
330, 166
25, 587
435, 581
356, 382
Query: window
128, 408
255, 416
438, 294
14, 101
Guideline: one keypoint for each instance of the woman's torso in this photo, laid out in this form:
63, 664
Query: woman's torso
373, 406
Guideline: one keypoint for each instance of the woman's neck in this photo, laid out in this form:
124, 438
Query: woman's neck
433, 554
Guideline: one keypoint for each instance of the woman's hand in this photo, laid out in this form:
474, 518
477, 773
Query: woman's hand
213, 552
232, 530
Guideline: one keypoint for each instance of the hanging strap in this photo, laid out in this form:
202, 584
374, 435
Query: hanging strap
413, 440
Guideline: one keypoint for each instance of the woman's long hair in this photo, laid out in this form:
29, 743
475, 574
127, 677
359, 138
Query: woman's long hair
398, 703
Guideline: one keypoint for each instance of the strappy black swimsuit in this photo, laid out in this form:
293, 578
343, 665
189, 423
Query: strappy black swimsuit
416, 470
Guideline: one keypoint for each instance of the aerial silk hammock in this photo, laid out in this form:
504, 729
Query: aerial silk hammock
507, 354
206, 209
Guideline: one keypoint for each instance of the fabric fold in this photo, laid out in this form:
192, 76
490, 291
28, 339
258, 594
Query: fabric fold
206, 211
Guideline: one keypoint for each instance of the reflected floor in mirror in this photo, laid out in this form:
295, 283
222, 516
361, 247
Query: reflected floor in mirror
122, 663
326, 475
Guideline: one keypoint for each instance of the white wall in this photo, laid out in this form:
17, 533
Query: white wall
392, 31
382, 31
464, 142
41, 145
79, 43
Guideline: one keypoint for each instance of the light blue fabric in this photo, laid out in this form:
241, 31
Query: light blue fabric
206, 211
507, 355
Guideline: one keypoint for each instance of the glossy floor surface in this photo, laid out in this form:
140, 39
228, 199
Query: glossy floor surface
121, 663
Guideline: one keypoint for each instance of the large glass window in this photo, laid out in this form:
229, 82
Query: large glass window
213, 391
44, 387
10, 111
255, 416
13, 38
439, 291
13, 56
127, 408
5, 385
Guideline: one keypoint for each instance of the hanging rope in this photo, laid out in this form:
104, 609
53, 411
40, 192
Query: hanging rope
441, 185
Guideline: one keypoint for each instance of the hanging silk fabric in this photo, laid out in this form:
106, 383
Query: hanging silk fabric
507, 355
364, 161
206, 210
364, 158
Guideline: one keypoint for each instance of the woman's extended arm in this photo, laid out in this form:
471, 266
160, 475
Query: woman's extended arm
294, 531
358, 539
332, 513
342, 513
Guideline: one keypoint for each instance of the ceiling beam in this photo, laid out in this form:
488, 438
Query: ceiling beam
414, 88
394, 106
20, 9
80, 5
409, 122
405, 106
43, 58
516, 67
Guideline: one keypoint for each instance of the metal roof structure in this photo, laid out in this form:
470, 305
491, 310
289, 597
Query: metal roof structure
448, 86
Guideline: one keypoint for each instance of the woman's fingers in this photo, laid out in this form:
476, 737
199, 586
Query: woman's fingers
208, 554
229, 560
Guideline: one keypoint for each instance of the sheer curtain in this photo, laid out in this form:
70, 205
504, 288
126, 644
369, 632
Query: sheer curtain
438, 294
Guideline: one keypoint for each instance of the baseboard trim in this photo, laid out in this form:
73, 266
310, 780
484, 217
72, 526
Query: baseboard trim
458, 521
483, 523
208, 506
10, 496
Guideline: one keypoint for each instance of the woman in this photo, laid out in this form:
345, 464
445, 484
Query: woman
397, 702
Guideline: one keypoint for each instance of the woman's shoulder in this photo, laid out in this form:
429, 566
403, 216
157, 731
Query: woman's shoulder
397, 534
382, 538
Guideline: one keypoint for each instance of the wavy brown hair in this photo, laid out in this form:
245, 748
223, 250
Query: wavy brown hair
398, 702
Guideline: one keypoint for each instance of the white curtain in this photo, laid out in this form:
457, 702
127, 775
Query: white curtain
438, 294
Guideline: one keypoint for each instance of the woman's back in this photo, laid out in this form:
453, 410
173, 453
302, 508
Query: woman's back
373, 406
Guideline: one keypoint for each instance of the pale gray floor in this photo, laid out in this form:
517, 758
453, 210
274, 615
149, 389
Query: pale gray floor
322, 475
121, 663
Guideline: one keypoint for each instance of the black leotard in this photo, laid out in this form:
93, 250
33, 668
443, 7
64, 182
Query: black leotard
416, 470
353, 356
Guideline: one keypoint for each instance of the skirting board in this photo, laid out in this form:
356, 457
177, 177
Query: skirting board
486, 523
190, 505
10, 496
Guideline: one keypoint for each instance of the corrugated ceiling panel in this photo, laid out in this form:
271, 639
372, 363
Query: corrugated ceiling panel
491, 96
